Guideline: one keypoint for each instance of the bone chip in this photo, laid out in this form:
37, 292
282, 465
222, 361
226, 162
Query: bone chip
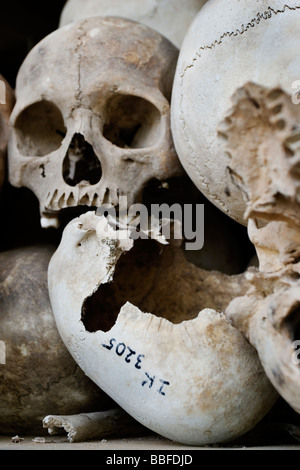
98, 425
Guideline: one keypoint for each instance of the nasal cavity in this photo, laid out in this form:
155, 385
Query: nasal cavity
81, 163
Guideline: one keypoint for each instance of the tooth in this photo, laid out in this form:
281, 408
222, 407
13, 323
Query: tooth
71, 201
94, 200
84, 200
49, 222
61, 201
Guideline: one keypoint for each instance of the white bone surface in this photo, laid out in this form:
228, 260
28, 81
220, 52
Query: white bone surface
228, 44
196, 381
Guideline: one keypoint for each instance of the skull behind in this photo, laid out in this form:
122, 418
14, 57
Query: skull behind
169, 17
92, 118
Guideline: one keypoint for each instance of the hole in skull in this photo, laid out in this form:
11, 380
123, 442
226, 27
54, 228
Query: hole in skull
81, 163
131, 122
292, 322
39, 129
145, 277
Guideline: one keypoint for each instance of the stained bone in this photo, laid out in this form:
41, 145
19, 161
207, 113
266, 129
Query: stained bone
249, 41
37, 373
110, 84
171, 18
183, 374
265, 164
86, 426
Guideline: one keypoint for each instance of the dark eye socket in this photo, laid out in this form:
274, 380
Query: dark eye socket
131, 122
39, 129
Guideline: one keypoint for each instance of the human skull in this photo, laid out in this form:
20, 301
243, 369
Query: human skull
92, 118
37, 374
7, 101
250, 41
169, 17
161, 348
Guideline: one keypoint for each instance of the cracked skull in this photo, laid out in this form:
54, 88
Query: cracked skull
92, 118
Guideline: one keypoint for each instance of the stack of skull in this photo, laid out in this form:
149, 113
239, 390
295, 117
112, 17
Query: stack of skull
91, 123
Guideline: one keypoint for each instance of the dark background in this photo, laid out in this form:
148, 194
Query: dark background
22, 25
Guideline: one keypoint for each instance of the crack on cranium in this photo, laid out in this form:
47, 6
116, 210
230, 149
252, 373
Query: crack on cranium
266, 15
269, 13
78, 52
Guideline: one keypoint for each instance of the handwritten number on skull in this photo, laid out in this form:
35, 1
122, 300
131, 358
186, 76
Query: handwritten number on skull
120, 349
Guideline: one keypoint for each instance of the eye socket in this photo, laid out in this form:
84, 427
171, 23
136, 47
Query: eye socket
39, 129
132, 122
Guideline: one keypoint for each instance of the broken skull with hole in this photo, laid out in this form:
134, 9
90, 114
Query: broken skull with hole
92, 117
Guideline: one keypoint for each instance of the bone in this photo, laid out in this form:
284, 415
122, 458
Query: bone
161, 348
171, 18
83, 427
220, 53
265, 165
117, 124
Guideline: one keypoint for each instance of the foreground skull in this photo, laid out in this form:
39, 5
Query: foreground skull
92, 118
268, 175
37, 374
171, 18
250, 41
7, 101
188, 376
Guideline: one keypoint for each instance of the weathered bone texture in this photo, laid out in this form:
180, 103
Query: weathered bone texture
37, 374
110, 424
7, 101
92, 118
248, 41
171, 18
183, 374
265, 164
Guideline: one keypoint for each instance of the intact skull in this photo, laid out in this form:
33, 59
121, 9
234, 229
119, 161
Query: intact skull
92, 117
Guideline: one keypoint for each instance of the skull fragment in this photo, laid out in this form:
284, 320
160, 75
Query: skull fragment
169, 17
268, 175
250, 41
